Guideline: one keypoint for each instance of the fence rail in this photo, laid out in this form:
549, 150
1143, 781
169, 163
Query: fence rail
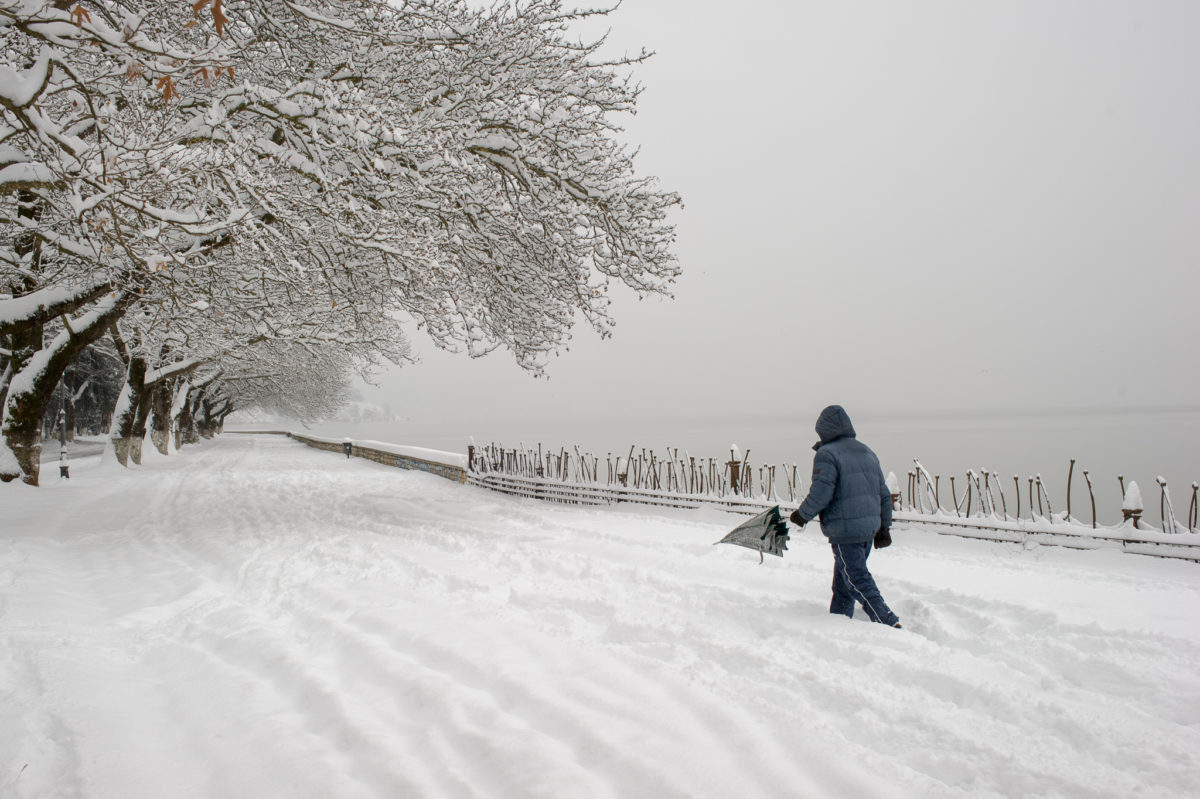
1015, 531
581, 494
982, 511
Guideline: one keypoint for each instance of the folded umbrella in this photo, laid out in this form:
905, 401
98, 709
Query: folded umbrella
766, 532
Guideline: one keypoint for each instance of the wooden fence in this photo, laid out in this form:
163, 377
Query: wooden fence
981, 512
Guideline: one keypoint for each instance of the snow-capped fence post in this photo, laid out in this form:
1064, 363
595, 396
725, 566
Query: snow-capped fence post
1131, 506
1194, 508
992, 497
973, 483
1049, 514
1091, 496
1165, 509
734, 465
894, 489
747, 476
926, 493
1070, 474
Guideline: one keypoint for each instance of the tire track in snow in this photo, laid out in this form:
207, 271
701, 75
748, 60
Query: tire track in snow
552, 704
418, 536
374, 632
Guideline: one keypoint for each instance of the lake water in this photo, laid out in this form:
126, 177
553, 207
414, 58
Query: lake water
1139, 444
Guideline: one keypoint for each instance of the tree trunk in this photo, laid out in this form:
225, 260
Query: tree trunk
70, 384
125, 419
5, 377
213, 416
192, 433
184, 425
204, 425
34, 383
160, 414
25, 437
141, 418
25, 340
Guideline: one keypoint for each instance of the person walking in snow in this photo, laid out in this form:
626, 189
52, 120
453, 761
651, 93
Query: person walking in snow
850, 494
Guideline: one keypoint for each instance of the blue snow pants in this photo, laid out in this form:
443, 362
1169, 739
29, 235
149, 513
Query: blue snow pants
852, 582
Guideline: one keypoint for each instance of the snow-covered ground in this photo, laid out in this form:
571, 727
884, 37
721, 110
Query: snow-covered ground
251, 618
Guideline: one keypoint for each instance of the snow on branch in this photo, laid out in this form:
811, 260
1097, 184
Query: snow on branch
18, 90
327, 175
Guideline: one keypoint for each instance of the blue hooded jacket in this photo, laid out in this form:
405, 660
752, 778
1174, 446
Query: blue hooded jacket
848, 488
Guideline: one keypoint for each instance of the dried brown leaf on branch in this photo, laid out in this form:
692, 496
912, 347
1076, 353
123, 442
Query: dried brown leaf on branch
80, 15
218, 14
219, 18
166, 85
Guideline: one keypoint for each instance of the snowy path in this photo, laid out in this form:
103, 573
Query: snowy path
81, 447
253, 618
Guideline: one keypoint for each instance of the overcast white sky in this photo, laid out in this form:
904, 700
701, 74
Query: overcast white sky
936, 206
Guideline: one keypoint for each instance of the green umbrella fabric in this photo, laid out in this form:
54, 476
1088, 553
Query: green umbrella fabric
766, 532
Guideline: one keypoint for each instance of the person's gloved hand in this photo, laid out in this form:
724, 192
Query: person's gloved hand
797, 519
883, 538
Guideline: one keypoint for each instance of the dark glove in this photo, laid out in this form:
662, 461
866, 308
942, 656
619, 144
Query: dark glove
883, 538
797, 519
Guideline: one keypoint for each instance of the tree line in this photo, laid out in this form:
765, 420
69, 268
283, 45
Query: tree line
243, 203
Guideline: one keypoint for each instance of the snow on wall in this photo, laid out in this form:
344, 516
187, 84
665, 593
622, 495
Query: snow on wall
444, 464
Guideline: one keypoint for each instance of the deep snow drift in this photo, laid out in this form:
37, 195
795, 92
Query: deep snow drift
254, 618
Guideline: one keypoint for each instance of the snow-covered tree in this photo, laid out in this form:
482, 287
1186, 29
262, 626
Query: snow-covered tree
304, 383
325, 174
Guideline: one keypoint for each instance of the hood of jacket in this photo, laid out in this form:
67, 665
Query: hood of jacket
832, 424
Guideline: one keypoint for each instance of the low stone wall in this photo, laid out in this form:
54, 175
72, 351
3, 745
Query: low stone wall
399, 460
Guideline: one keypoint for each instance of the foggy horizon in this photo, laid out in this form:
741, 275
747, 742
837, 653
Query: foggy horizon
928, 209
